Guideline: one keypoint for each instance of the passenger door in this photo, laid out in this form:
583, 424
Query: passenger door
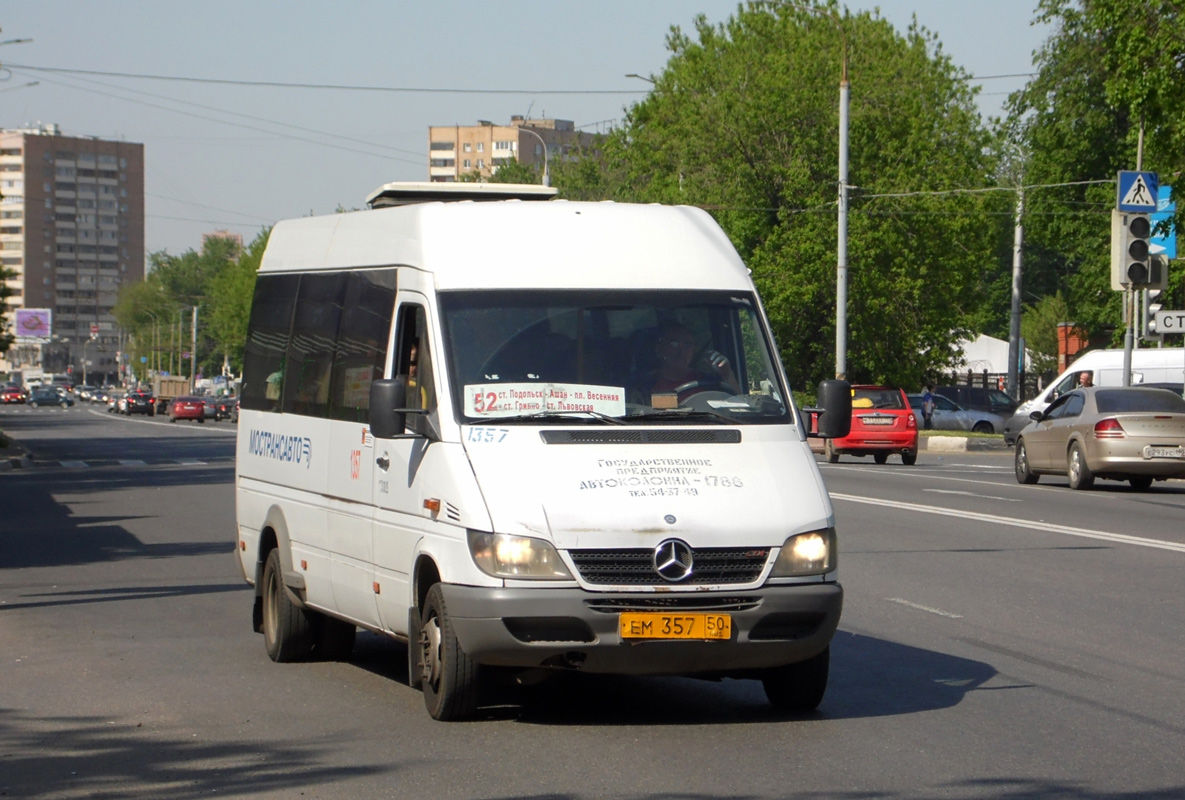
400, 517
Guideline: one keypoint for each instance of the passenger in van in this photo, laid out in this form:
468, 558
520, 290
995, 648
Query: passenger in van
678, 364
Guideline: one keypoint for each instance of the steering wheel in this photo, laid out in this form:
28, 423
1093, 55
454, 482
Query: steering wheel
704, 385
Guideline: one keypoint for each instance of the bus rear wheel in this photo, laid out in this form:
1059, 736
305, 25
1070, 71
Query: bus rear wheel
287, 627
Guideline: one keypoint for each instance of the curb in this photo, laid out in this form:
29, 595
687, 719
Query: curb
15, 463
943, 444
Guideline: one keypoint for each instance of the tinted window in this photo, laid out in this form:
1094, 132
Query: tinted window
1112, 401
361, 343
310, 350
1074, 405
267, 341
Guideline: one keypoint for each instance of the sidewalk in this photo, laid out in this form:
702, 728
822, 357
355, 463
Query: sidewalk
13, 456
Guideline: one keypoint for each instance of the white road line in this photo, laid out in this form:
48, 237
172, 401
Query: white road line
132, 462
973, 494
994, 519
189, 462
74, 464
937, 611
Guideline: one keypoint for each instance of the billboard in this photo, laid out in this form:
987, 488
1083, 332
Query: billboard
34, 323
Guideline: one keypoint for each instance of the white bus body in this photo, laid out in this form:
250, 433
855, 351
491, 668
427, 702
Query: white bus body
539, 511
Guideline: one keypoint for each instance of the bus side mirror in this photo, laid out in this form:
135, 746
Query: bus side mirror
833, 402
387, 399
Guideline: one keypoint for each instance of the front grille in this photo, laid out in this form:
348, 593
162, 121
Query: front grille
635, 566
672, 602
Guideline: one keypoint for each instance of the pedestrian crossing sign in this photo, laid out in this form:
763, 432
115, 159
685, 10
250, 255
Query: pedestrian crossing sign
1137, 191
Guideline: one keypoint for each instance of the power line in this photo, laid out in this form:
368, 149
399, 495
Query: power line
320, 86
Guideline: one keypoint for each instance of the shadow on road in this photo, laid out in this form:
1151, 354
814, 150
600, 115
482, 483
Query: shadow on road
90, 757
38, 531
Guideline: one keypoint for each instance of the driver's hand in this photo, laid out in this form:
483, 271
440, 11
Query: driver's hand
716, 360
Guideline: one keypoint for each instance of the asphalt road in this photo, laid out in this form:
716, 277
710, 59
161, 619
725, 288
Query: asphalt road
998, 641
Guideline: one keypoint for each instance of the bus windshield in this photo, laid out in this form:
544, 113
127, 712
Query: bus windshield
611, 356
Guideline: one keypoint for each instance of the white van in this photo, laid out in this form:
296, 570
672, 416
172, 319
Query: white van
1159, 365
527, 436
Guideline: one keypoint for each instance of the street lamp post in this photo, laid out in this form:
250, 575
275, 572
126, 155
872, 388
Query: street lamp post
546, 174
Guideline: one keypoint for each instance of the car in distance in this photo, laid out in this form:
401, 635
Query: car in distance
1132, 434
950, 416
224, 406
883, 424
187, 407
49, 397
979, 398
139, 403
114, 397
12, 394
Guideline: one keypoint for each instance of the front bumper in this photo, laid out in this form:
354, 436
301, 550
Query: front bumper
575, 629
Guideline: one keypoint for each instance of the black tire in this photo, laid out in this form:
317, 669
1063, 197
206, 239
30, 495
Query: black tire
202, 420
880, 458
1140, 483
451, 678
1077, 469
65, 405
983, 426
333, 639
287, 627
172, 419
798, 687
909, 459
415, 664
1024, 472
830, 451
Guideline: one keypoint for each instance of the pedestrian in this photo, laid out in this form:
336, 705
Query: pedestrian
928, 408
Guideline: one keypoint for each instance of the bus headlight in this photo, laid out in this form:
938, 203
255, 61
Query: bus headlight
812, 553
519, 557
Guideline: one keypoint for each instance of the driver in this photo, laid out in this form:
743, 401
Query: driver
678, 365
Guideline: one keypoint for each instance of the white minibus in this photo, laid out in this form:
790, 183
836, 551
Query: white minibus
528, 435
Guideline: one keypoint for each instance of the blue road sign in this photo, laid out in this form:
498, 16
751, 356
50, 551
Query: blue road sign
1164, 243
1137, 191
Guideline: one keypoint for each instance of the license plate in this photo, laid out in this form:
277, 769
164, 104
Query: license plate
1165, 452
646, 625
877, 420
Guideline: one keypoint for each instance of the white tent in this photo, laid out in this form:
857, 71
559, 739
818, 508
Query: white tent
986, 353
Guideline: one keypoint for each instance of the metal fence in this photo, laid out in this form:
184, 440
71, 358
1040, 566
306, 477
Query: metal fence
1030, 384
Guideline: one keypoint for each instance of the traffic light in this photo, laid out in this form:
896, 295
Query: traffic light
1130, 267
1154, 296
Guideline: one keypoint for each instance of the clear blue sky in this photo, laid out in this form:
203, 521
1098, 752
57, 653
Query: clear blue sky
240, 158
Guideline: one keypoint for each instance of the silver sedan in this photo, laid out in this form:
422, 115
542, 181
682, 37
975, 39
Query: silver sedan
950, 416
1119, 433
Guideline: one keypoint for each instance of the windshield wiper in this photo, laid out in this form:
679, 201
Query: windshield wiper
682, 413
535, 416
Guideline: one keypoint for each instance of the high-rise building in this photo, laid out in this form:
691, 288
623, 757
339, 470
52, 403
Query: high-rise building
456, 150
72, 230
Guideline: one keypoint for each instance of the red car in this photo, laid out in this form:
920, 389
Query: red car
187, 408
883, 424
12, 394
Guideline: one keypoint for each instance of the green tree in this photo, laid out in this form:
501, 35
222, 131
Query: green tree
1078, 122
1039, 327
229, 302
6, 335
743, 122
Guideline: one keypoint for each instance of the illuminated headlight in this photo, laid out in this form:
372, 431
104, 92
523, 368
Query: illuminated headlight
811, 553
506, 556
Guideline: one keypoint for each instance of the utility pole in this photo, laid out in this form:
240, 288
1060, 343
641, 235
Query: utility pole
193, 354
1014, 354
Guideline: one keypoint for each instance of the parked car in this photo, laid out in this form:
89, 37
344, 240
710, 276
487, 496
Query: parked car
139, 403
12, 394
883, 424
114, 399
49, 397
1131, 433
950, 416
977, 398
187, 407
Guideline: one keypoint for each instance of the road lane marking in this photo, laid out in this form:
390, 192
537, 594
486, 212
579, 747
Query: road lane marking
973, 494
74, 464
927, 609
995, 519
132, 462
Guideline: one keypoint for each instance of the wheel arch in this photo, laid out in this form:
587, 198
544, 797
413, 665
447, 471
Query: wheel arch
425, 573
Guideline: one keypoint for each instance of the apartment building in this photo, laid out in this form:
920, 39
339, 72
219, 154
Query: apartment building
456, 150
72, 231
